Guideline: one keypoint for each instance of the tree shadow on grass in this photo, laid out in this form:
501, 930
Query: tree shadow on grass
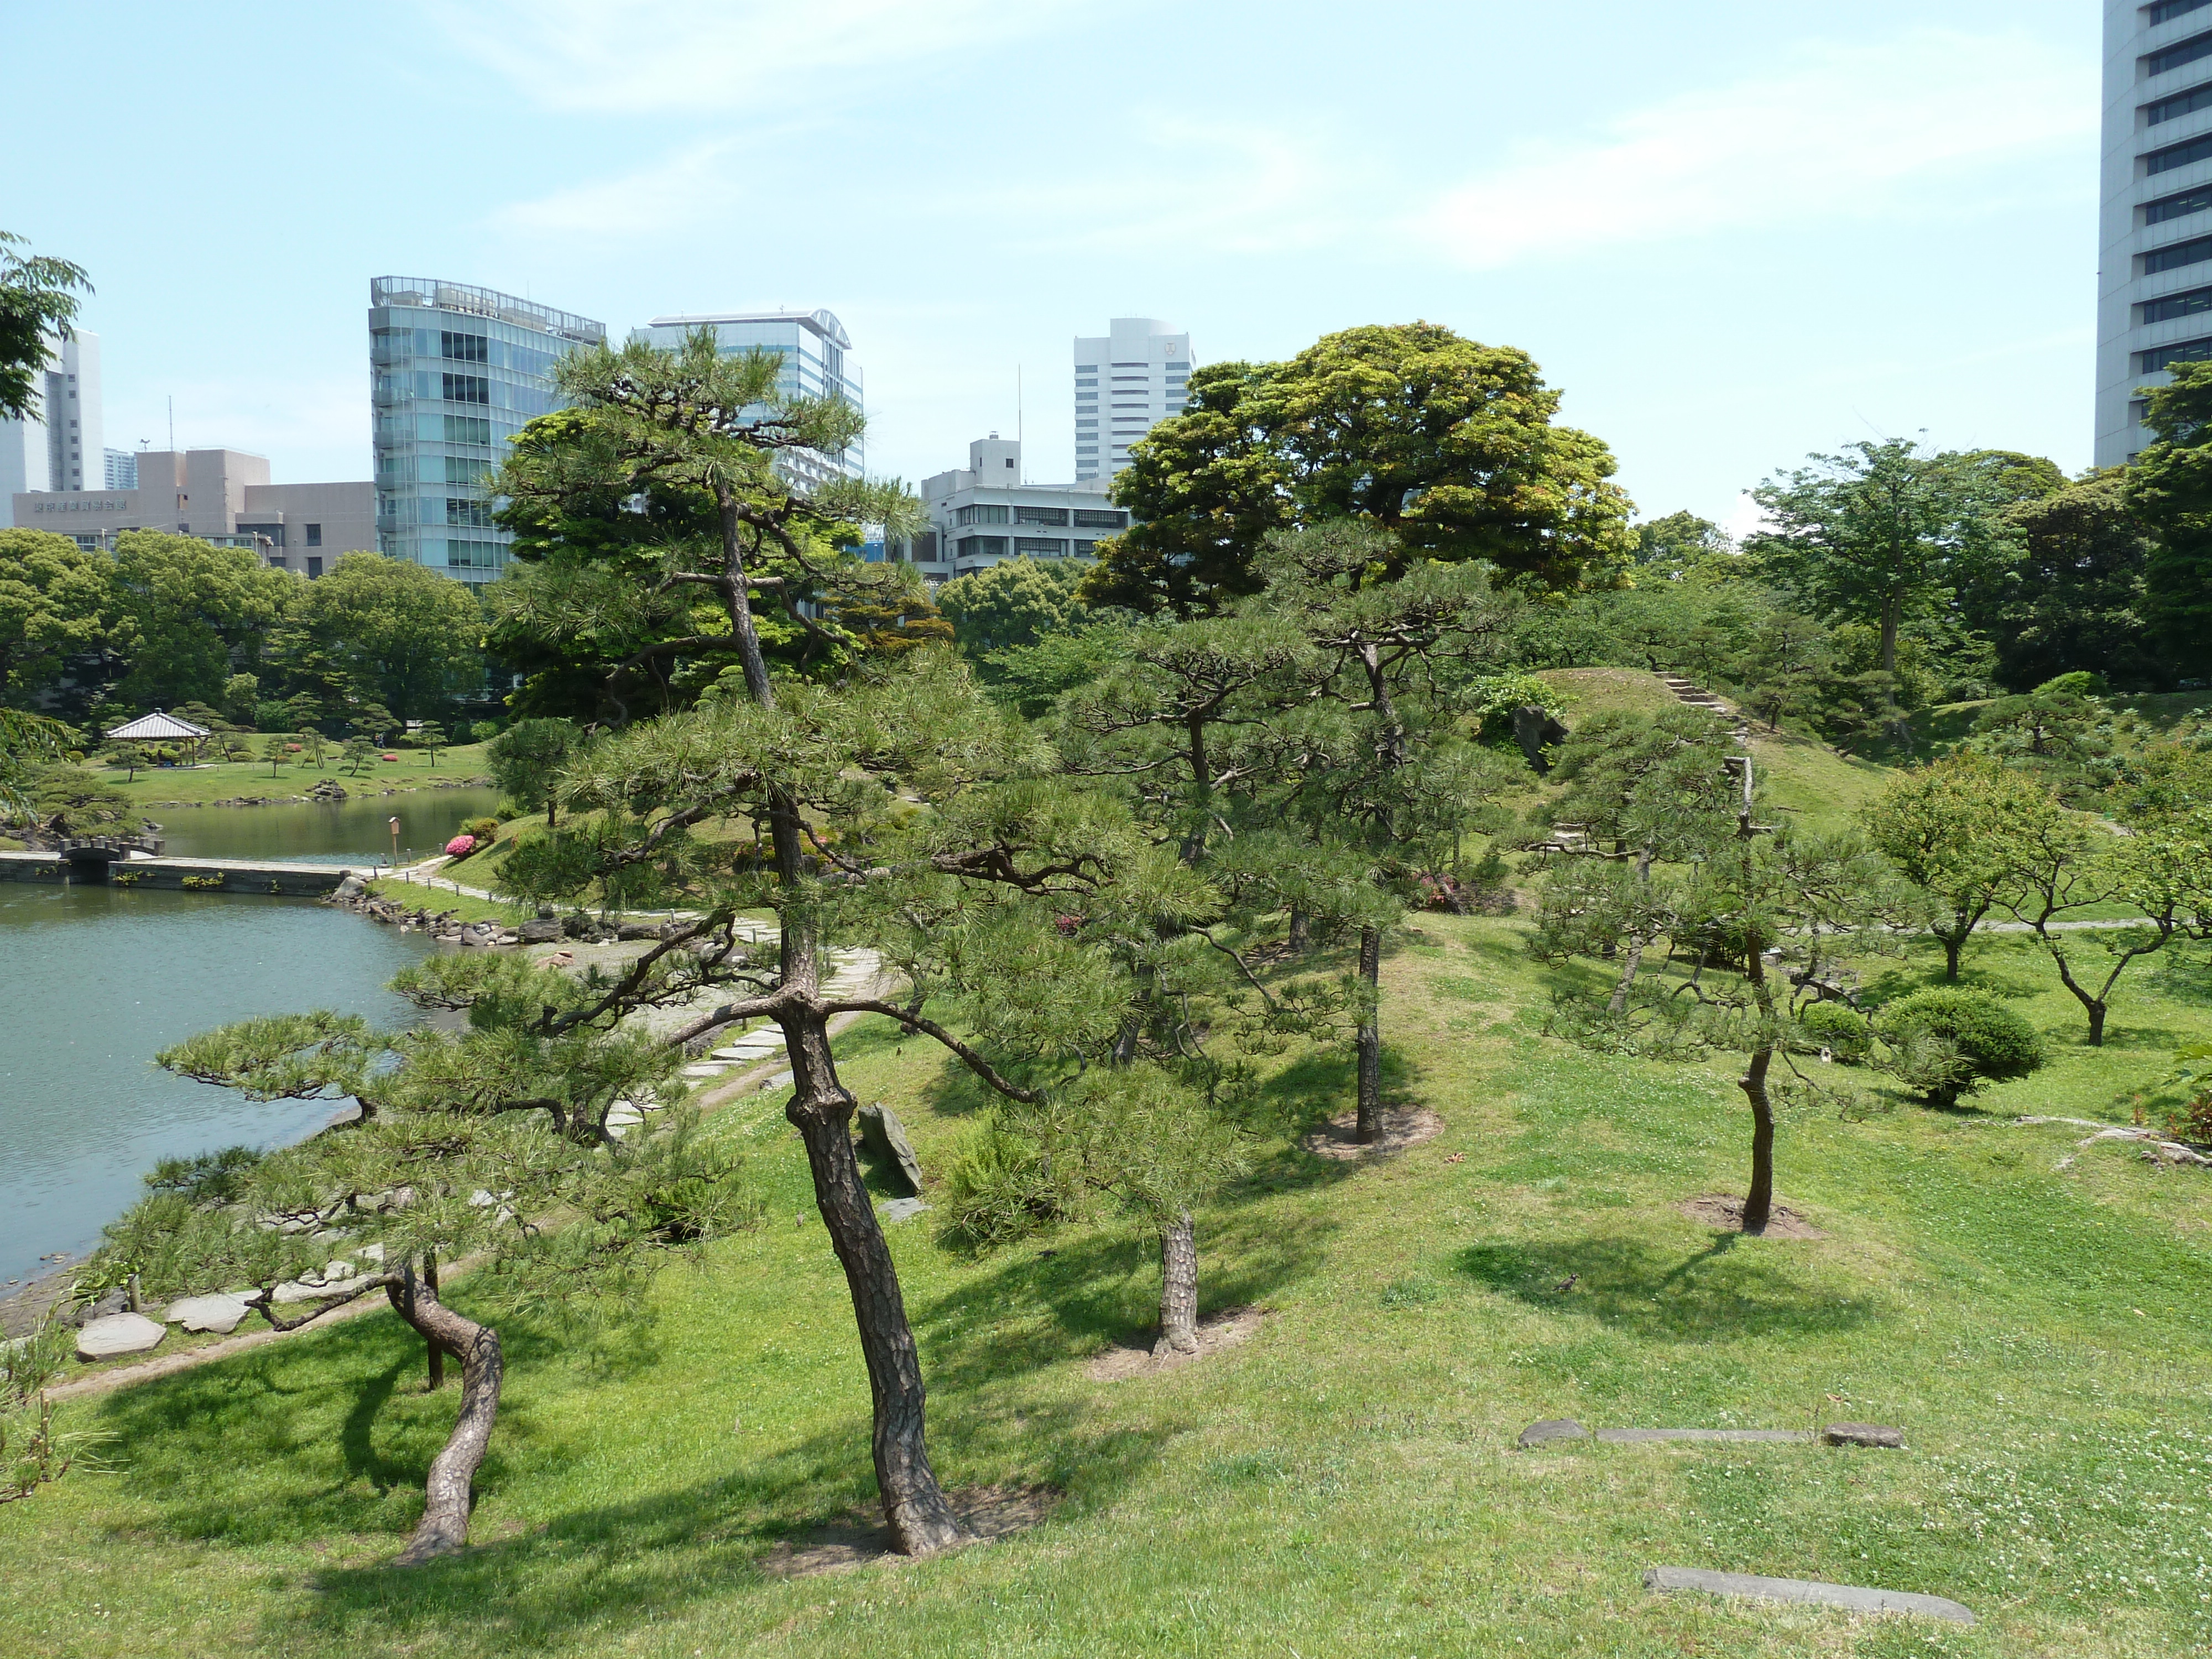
1732, 1287
613, 1568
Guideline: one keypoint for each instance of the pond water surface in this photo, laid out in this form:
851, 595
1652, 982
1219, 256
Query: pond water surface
356, 831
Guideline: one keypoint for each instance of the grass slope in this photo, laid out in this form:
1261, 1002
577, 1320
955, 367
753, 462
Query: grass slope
1345, 1484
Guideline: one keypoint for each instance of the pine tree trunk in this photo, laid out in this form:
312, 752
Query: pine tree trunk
1301, 939
921, 1522
1759, 1203
1178, 1289
1953, 942
437, 1379
1370, 1039
444, 1527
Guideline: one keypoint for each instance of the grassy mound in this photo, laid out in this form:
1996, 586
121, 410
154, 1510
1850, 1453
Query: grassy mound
1344, 1482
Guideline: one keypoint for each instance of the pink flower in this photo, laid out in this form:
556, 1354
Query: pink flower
460, 847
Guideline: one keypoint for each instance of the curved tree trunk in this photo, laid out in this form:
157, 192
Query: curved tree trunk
1301, 941
1370, 1038
437, 1378
1759, 1203
444, 1527
1178, 1288
921, 1522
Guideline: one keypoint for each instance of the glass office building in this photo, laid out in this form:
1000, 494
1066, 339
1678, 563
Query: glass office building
455, 372
817, 363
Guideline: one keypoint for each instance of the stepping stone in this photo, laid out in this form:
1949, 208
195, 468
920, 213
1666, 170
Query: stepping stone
902, 1209
1638, 1437
298, 1289
119, 1334
1864, 1434
1551, 1429
704, 1069
219, 1314
1852, 1597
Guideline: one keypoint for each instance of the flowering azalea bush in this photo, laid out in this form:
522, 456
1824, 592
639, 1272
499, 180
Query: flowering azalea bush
460, 847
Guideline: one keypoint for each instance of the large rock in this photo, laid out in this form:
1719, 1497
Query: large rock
1535, 731
1551, 1429
220, 1313
117, 1334
1879, 1435
884, 1136
541, 931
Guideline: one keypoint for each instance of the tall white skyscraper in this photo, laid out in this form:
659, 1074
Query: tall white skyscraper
1134, 374
55, 448
2154, 278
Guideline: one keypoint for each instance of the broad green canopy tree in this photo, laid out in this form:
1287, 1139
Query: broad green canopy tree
54, 603
2074, 599
388, 631
1955, 828
2171, 485
1451, 447
190, 614
1880, 532
1016, 602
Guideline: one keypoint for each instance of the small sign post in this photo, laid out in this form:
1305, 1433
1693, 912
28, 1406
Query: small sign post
395, 843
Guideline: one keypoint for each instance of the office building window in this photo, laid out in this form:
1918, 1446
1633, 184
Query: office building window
472, 555
2167, 10
314, 535
2179, 156
463, 348
1098, 518
2178, 206
2195, 251
314, 566
466, 389
1081, 383
1039, 547
2182, 103
1087, 449
979, 547
2138, 410
2176, 305
461, 509
461, 470
467, 429
1173, 368
1091, 422
2189, 351
2183, 51
980, 514
1054, 515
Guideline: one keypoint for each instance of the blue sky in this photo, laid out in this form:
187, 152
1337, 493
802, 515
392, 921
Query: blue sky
1732, 233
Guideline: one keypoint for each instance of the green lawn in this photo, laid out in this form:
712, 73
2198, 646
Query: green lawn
1344, 1484
228, 780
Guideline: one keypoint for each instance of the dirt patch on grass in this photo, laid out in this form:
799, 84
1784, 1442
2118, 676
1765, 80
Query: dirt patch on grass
1215, 1332
1402, 1126
989, 1512
1720, 1210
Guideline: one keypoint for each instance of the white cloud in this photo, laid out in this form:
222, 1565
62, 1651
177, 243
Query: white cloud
691, 57
1839, 131
675, 190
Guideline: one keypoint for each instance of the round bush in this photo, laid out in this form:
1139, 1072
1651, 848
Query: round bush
1832, 1026
460, 847
1950, 1042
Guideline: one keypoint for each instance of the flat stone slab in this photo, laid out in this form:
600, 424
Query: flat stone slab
1551, 1429
704, 1071
902, 1209
117, 1334
1640, 1436
219, 1314
1864, 1434
884, 1136
1852, 1598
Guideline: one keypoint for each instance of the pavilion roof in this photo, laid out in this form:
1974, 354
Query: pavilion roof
155, 727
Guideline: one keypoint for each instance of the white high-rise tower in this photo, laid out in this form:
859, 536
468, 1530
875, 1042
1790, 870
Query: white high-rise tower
2155, 277
1125, 380
65, 441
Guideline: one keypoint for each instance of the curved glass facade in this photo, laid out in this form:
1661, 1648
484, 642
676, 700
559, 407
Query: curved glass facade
455, 372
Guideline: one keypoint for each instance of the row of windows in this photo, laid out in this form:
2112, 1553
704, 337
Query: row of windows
2182, 103
392, 348
1085, 518
467, 389
2172, 257
2178, 206
2179, 155
461, 509
472, 555
1022, 547
2167, 10
2183, 51
2176, 305
463, 348
393, 467
2189, 351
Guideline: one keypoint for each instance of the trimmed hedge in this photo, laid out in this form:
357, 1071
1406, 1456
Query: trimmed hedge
1949, 1041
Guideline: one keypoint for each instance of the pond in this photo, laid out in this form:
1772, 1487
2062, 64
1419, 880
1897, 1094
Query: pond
357, 832
100, 978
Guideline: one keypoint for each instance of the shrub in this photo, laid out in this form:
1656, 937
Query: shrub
1001, 1187
1832, 1026
1950, 1042
484, 730
460, 847
482, 829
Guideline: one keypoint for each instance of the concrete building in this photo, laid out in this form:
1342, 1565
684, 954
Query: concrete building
981, 514
455, 372
220, 495
2155, 278
817, 363
122, 470
1141, 366
50, 450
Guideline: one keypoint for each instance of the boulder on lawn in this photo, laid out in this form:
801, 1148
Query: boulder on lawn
219, 1314
884, 1137
1879, 1435
1535, 731
117, 1334
543, 930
